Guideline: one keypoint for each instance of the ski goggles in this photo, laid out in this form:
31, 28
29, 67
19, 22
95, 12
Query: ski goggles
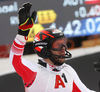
58, 44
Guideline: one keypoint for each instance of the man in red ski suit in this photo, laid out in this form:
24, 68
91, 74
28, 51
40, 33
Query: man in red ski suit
50, 74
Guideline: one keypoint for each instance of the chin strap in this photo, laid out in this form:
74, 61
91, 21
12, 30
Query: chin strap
54, 57
67, 55
45, 53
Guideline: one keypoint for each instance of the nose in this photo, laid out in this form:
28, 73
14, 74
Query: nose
63, 47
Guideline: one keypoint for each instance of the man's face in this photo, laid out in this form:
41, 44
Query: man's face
58, 48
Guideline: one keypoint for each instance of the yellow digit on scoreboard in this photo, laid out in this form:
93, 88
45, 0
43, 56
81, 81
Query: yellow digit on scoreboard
46, 16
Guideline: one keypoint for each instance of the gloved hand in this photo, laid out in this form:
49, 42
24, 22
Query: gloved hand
25, 20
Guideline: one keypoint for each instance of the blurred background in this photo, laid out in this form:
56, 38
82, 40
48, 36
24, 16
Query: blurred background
79, 20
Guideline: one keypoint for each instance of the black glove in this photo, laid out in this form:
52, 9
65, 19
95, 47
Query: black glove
25, 20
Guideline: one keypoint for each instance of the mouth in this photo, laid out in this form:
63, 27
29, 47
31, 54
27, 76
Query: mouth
62, 54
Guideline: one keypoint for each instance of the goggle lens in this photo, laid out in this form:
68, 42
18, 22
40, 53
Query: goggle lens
58, 44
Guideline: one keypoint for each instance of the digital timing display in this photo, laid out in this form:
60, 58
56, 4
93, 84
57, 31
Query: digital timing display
75, 18
87, 20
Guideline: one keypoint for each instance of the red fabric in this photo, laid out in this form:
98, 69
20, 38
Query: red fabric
27, 75
17, 50
75, 88
20, 46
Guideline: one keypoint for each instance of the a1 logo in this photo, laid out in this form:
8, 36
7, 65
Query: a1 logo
59, 81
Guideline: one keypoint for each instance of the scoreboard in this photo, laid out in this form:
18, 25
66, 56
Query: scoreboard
75, 18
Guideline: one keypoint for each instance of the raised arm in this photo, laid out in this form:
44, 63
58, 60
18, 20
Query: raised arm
21, 66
